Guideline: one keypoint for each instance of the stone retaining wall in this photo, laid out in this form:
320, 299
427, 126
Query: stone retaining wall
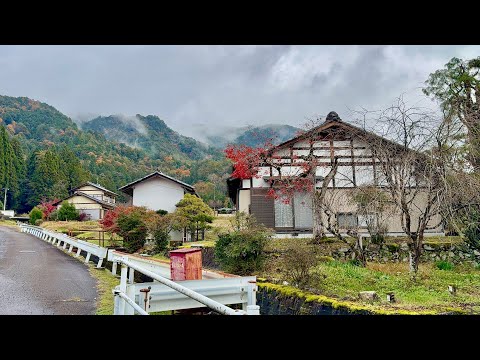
455, 253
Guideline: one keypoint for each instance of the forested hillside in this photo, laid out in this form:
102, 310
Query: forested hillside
150, 134
43, 140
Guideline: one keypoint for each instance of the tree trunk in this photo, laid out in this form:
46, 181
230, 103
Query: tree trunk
318, 230
360, 252
414, 258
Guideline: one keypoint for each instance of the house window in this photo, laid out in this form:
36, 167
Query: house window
347, 220
365, 220
283, 214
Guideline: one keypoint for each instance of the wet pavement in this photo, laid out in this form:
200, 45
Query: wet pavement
36, 278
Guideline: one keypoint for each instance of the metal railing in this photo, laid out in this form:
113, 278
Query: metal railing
59, 239
215, 293
234, 290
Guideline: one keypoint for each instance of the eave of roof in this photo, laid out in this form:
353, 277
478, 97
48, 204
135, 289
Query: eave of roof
157, 173
97, 186
327, 125
79, 193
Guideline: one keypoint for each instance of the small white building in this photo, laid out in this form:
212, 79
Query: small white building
158, 191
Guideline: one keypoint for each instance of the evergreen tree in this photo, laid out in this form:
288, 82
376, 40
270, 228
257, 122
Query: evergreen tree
46, 180
74, 173
11, 167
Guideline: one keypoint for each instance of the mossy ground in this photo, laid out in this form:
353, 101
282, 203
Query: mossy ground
341, 281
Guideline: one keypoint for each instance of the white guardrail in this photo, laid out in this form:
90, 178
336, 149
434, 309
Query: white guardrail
215, 291
58, 239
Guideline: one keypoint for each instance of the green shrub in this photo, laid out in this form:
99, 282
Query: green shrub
393, 247
354, 262
377, 239
444, 265
133, 231
67, 212
242, 251
38, 222
53, 216
161, 239
35, 215
297, 262
161, 212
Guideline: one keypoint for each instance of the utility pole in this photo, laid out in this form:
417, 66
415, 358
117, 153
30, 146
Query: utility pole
5, 200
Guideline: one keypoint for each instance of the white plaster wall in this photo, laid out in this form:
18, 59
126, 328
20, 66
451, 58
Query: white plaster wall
156, 193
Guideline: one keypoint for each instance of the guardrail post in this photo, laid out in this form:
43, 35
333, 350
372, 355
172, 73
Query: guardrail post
70, 248
252, 294
64, 245
131, 294
87, 259
60, 242
131, 275
78, 252
54, 241
99, 264
116, 302
123, 287
114, 268
253, 310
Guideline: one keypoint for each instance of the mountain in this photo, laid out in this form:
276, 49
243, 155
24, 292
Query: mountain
37, 127
150, 134
258, 136
220, 135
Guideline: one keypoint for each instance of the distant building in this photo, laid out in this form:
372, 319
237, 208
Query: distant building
158, 191
91, 199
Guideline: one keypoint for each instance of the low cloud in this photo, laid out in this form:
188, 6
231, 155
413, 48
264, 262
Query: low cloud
201, 90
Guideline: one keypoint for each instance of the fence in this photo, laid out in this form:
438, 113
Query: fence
100, 238
161, 294
185, 294
58, 239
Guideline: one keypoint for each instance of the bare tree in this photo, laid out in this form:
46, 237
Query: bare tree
375, 208
410, 168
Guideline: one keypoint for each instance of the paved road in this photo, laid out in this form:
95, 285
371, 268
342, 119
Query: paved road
37, 278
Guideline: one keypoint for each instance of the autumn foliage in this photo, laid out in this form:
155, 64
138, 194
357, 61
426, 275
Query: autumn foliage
109, 221
245, 160
47, 207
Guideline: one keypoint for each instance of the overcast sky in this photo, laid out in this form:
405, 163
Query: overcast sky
220, 85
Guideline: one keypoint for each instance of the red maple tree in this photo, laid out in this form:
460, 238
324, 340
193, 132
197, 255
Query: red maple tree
47, 207
248, 160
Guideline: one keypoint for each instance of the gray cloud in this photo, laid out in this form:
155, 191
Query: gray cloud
194, 88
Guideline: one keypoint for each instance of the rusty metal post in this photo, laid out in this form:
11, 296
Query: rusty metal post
146, 300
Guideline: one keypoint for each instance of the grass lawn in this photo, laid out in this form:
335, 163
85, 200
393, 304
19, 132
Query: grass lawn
430, 292
105, 283
63, 226
8, 223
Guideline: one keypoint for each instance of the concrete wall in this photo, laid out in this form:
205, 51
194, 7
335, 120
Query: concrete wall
156, 193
